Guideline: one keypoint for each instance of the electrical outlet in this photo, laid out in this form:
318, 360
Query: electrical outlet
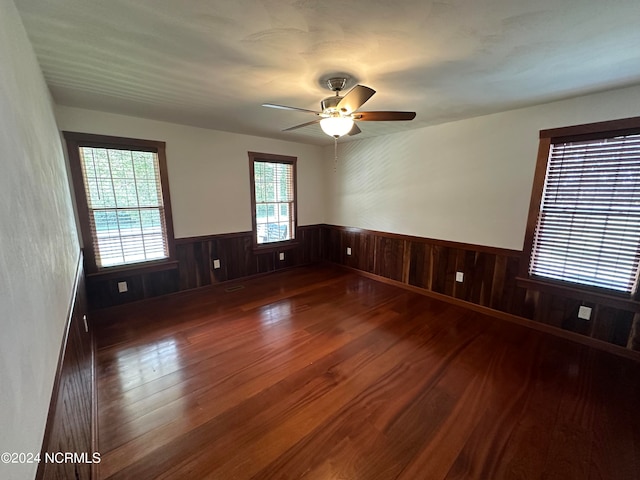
584, 312
122, 287
281, 255
348, 250
216, 263
459, 277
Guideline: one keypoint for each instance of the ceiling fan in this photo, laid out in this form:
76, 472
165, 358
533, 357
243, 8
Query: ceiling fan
339, 113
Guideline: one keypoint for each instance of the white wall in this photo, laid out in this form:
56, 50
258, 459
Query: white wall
467, 181
39, 246
209, 170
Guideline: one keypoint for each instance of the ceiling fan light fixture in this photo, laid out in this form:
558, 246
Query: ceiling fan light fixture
336, 126
337, 113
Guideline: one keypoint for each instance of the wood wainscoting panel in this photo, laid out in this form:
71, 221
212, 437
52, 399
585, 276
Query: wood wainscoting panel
389, 253
104, 292
611, 319
612, 325
634, 335
193, 270
420, 265
70, 419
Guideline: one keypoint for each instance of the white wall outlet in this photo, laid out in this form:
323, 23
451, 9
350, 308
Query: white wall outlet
584, 312
122, 287
348, 250
459, 277
216, 263
281, 255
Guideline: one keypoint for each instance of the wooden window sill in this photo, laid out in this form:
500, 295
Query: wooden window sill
276, 246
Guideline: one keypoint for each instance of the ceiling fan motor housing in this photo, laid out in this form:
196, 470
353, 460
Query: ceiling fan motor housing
330, 104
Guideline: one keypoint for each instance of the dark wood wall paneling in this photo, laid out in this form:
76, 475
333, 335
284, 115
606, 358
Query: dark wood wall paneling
237, 257
71, 419
490, 280
489, 274
611, 324
195, 266
103, 292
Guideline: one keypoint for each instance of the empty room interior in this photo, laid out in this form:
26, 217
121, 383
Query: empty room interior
282, 239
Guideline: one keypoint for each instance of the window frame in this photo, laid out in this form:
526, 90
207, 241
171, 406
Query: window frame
76, 140
272, 158
584, 132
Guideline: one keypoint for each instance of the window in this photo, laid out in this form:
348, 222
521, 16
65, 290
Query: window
273, 198
587, 229
123, 199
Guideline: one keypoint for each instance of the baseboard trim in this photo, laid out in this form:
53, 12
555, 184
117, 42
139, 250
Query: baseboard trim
555, 331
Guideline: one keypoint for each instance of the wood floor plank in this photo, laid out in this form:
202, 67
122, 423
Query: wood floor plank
238, 372
319, 373
302, 387
299, 423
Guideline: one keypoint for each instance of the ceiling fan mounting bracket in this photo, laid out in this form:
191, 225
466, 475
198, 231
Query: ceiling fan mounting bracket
336, 84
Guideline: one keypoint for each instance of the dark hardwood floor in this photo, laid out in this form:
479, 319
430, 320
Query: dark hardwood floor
318, 373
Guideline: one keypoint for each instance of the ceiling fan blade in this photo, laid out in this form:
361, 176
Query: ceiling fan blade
355, 98
384, 116
354, 130
284, 107
302, 125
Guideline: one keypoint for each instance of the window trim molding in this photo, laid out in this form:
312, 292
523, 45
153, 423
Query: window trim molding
75, 140
270, 157
587, 131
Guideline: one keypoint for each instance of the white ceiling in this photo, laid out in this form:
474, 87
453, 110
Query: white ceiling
212, 63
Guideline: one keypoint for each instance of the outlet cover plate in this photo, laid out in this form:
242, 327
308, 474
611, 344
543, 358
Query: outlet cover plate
584, 312
459, 277
348, 250
216, 263
281, 255
122, 287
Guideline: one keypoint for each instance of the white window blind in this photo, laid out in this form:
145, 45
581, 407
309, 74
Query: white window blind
126, 211
274, 201
588, 228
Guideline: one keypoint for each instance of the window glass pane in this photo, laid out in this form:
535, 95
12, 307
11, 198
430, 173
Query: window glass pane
147, 193
143, 163
268, 172
269, 192
107, 194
